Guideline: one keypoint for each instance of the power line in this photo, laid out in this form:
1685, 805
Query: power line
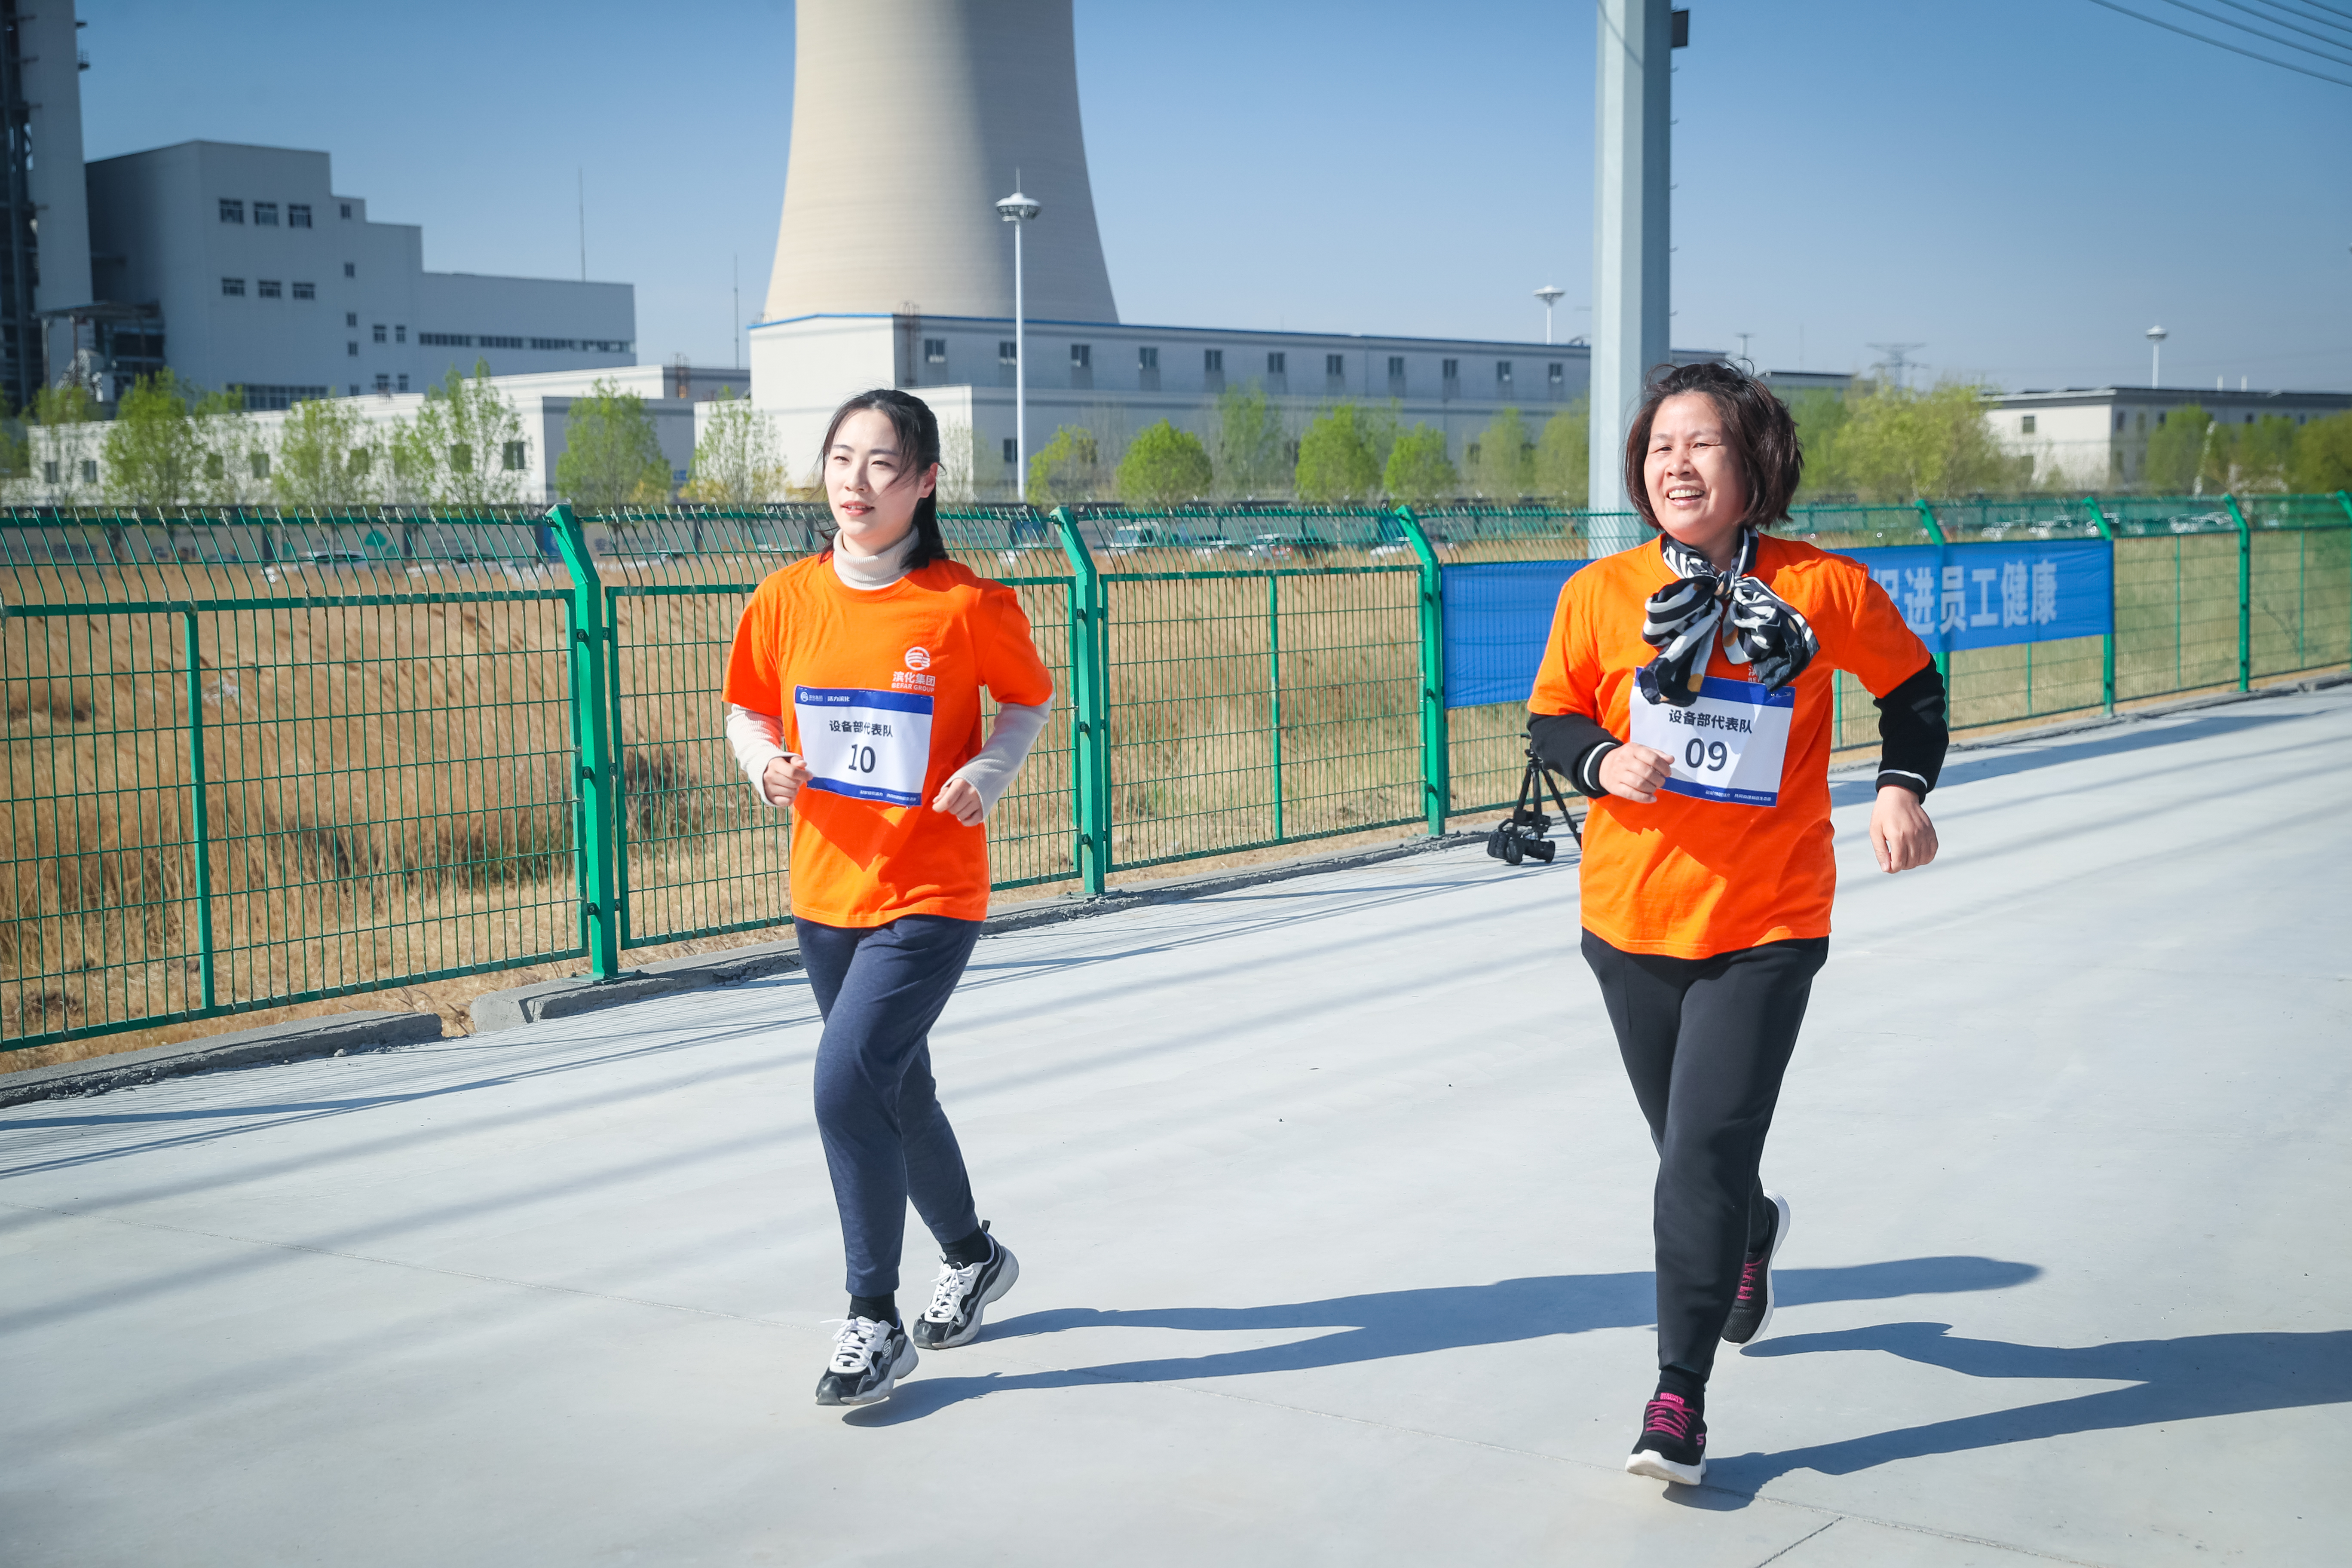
2282, 64
2290, 26
2257, 32
2293, 16
2316, 6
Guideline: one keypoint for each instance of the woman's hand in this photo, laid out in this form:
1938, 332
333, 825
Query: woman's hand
1900, 833
1635, 773
782, 779
961, 801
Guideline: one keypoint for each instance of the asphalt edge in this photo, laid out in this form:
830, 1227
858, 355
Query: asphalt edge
289, 1041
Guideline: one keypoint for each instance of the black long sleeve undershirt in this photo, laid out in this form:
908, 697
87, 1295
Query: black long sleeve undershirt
1913, 733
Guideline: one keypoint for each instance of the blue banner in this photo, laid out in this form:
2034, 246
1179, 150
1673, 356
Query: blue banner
1956, 597
1497, 616
1960, 596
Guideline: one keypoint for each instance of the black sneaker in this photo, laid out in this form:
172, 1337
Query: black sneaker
1752, 1309
960, 1295
1673, 1444
868, 1359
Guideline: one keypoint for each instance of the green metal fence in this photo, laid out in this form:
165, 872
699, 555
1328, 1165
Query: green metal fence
255, 759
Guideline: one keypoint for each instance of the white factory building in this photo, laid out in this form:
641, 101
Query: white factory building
2094, 437
1113, 378
250, 269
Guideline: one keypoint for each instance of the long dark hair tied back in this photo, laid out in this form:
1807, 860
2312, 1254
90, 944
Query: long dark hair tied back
918, 430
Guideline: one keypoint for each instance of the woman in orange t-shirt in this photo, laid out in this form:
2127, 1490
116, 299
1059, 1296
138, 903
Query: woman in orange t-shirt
1687, 691
854, 701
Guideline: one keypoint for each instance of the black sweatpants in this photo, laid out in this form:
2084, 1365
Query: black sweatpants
880, 989
1706, 1041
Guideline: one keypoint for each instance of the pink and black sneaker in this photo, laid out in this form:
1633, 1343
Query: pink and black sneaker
1673, 1444
1752, 1309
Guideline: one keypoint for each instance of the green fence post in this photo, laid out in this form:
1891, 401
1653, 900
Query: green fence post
591, 727
2106, 643
202, 824
2344, 500
1090, 707
2245, 594
1935, 534
1436, 743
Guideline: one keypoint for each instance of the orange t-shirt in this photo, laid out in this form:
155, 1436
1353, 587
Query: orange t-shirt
879, 690
1715, 870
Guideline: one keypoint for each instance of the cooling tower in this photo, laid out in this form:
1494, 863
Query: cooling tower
910, 119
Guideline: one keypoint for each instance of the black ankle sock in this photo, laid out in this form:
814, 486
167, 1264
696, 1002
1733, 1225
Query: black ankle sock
969, 1250
1682, 1381
881, 1308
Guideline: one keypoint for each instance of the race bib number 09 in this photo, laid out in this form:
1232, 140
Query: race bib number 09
867, 745
1727, 747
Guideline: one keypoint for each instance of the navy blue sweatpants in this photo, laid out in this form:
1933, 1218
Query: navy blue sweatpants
880, 989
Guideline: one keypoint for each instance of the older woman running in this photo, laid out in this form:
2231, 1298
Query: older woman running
1687, 691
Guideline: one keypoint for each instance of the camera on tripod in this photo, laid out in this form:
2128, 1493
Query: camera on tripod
1525, 834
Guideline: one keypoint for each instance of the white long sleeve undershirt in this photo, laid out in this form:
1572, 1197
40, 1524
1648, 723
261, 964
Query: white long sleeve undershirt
758, 739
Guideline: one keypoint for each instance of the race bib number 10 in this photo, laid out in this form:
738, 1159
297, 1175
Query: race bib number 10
1727, 747
867, 745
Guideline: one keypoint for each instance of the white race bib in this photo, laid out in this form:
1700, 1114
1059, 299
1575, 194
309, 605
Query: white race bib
1727, 747
867, 745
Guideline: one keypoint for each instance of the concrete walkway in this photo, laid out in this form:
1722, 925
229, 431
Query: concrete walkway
1333, 1211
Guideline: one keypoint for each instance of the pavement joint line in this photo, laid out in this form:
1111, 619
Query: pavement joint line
1794, 1544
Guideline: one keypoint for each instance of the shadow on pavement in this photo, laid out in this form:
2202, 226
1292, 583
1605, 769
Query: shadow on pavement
2175, 1380
1413, 1322
1974, 767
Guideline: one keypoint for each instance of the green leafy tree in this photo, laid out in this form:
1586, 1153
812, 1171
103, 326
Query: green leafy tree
405, 465
65, 438
1898, 445
2262, 454
465, 431
1164, 466
2323, 454
1250, 451
324, 461
1820, 416
1563, 469
737, 463
152, 456
1418, 470
612, 455
1503, 465
1065, 469
2177, 451
233, 468
1339, 458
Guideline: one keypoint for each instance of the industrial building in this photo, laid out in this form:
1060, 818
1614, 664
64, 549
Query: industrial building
251, 271
45, 260
2094, 437
909, 281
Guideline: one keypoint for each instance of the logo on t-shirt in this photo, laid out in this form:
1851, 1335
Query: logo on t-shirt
919, 658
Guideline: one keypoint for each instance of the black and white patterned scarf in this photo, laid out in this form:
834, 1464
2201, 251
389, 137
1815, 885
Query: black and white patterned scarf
1684, 615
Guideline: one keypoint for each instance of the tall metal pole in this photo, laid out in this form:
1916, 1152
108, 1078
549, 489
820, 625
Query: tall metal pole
1020, 376
1630, 234
1017, 210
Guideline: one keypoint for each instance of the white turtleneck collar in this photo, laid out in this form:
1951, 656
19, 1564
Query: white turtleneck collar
868, 572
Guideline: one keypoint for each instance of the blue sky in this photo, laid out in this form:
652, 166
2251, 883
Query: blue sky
2022, 185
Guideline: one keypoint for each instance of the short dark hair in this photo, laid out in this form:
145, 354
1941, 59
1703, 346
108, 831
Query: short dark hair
1756, 425
918, 430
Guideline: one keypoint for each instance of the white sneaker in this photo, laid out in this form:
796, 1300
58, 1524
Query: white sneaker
960, 1295
869, 1357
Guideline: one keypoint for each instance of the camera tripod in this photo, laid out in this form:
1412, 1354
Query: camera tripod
1524, 835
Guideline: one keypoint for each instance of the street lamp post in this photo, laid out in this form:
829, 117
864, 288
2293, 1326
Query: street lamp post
1550, 295
1017, 210
2156, 336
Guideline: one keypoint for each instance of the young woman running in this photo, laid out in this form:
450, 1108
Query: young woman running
1687, 691
853, 694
